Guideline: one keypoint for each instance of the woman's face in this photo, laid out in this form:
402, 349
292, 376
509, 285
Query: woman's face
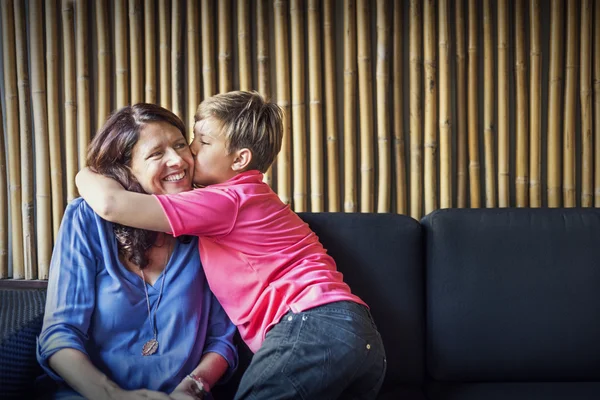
161, 159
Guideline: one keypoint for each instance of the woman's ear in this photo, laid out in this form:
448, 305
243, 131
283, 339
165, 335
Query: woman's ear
242, 160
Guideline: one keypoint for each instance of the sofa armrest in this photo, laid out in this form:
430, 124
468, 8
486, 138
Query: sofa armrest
21, 317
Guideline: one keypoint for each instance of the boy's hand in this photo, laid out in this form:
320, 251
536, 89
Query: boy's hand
98, 191
88, 182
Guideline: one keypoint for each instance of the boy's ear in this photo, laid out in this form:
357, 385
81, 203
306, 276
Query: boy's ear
242, 160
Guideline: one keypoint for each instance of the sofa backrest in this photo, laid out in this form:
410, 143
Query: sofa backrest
513, 294
380, 256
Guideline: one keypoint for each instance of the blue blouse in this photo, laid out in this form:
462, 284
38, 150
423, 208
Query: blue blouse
97, 306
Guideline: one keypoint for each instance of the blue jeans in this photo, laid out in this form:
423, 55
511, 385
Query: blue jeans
327, 352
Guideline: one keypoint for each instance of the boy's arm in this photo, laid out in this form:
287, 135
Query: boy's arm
114, 203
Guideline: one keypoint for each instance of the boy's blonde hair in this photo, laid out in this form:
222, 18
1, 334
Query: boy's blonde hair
248, 122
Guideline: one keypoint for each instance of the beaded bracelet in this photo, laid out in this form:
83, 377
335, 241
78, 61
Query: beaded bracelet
201, 388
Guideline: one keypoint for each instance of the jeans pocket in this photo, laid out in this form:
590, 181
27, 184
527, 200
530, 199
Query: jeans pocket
328, 352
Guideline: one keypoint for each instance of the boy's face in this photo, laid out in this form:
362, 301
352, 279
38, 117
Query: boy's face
213, 162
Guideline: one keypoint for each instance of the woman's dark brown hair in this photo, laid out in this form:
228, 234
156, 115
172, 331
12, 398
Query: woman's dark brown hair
110, 154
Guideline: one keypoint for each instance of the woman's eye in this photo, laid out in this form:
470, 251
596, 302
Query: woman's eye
203, 143
155, 154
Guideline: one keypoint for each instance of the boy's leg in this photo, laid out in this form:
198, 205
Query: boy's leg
262, 379
318, 354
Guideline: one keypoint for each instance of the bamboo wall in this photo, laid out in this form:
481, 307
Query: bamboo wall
391, 106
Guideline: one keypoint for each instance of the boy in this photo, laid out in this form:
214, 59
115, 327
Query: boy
311, 336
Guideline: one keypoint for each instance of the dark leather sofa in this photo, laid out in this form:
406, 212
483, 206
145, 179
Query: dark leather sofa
471, 304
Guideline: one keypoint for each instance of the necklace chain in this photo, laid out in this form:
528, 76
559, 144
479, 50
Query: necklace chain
151, 346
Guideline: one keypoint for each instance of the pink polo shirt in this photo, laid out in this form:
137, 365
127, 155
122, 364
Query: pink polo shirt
261, 260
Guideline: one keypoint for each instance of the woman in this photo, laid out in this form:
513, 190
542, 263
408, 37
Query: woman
129, 313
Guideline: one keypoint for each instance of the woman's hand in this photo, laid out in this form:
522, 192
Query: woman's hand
142, 394
186, 390
83, 377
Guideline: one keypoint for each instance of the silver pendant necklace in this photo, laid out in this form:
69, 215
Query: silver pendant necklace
151, 346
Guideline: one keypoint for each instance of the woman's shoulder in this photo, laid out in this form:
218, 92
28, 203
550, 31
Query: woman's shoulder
78, 211
78, 206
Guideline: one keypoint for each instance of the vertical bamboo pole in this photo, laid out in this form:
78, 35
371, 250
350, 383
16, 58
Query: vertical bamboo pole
383, 108
503, 106
570, 106
176, 59
488, 106
164, 54
224, 39
262, 59
121, 63
316, 106
245, 66
298, 104
587, 196
522, 170
135, 50
461, 106
42, 162
597, 103
415, 76
4, 217
398, 106
83, 94
24, 142
474, 165
208, 55
555, 104
104, 91
56, 176
535, 109
350, 195
70, 106
149, 52
12, 136
445, 109
331, 123
365, 89
282, 68
430, 127
193, 92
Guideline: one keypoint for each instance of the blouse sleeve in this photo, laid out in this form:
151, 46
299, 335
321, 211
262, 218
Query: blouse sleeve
219, 336
71, 286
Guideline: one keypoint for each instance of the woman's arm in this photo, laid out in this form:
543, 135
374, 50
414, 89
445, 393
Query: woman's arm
220, 358
114, 203
211, 368
83, 377
70, 303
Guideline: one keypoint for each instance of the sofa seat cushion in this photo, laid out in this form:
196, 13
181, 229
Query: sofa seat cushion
514, 391
403, 392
